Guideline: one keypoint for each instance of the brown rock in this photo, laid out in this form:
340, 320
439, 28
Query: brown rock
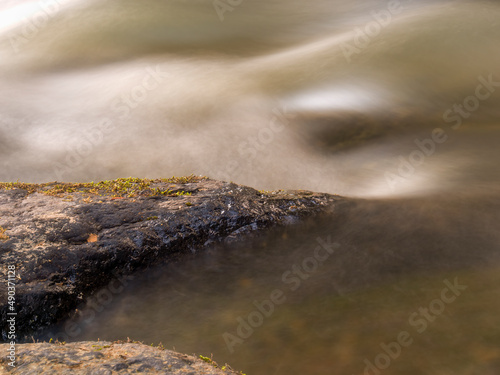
104, 358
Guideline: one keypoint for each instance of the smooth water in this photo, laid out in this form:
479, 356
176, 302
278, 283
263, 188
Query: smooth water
394, 103
278, 94
328, 313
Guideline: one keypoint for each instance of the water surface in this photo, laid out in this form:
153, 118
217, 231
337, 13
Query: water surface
399, 110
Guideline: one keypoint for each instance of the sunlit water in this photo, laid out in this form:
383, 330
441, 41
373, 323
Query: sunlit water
277, 94
395, 105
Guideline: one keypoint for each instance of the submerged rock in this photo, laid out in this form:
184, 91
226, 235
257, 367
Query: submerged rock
103, 358
66, 241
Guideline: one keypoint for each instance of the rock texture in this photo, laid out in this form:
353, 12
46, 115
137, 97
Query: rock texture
67, 241
104, 358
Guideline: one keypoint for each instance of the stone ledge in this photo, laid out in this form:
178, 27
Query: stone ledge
67, 241
105, 358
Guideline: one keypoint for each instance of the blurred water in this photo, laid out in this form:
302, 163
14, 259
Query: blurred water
218, 84
394, 103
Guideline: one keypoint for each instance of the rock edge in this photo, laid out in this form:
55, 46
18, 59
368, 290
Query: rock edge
105, 358
67, 243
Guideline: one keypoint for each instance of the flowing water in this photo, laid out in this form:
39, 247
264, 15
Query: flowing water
392, 103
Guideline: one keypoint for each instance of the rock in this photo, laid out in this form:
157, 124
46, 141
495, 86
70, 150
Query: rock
103, 358
67, 241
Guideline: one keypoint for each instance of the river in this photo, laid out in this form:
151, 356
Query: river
394, 104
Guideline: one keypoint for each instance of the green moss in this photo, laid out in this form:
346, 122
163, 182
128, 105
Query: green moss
121, 187
208, 360
213, 363
184, 180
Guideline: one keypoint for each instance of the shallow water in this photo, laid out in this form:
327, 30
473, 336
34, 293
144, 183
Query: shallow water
356, 98
329, 313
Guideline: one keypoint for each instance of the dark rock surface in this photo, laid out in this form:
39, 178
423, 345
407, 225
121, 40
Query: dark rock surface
104, 358
66, 247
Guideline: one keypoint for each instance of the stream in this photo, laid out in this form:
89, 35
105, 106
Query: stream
394, 104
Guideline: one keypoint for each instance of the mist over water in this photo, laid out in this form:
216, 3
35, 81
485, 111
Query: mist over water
394, 105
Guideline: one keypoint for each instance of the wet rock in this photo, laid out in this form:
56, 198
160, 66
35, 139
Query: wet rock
68, 241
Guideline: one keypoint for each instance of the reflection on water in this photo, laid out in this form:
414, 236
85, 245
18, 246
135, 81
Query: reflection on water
322, 313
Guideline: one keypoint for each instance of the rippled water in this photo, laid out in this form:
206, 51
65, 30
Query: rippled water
393, 103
